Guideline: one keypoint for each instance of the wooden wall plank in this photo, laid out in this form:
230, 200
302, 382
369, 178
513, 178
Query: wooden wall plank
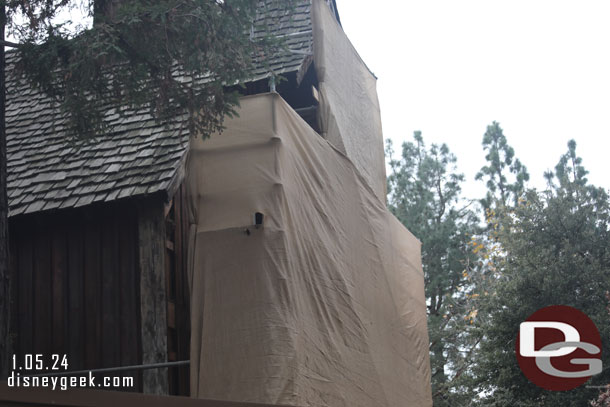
92, 293
151, 241
14, 293
76, 299
59, 283
25, 310
43, 305
170, 280
110, 301
182, 292
129, 295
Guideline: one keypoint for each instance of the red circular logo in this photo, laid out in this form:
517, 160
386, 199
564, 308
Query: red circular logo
559, 348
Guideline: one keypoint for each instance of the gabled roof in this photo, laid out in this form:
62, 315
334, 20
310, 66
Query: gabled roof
139, 157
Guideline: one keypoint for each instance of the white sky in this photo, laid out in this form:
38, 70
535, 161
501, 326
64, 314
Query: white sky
541, 68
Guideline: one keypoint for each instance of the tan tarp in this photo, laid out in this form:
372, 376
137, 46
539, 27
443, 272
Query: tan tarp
349, 109
321, 306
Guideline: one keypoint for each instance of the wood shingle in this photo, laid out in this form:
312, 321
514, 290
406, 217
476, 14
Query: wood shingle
139, 156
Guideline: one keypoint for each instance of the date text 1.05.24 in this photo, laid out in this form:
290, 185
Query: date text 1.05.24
37, 362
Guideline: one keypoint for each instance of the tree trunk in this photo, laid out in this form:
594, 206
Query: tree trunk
104, 10
4, 272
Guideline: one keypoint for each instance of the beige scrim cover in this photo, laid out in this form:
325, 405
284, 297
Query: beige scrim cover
349, 109
321, 306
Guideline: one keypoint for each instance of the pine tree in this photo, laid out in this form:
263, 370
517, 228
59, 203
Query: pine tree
424, 192
556, 248
501, 164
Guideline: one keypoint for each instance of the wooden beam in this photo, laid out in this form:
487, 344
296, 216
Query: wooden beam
42, 396
151, 238
171, 315
9, 44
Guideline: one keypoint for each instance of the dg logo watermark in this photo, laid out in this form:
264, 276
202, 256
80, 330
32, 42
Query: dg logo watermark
559, 348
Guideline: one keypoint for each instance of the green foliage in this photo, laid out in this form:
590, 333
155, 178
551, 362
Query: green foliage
604, 398
425, 194
568, 171
539, 249
500, 160
174, 58
557, 251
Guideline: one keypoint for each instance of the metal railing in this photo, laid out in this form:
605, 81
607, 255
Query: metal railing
116, 369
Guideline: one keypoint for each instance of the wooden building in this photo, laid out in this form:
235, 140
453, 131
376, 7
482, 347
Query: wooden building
97, 229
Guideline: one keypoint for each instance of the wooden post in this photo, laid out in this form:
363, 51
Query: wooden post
151, 232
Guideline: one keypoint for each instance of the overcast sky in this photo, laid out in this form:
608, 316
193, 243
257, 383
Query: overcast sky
449, 68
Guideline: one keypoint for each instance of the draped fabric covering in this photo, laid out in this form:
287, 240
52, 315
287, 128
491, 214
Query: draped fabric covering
349, 109
321, 305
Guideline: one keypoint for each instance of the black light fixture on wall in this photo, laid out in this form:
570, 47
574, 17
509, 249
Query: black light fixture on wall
258, 219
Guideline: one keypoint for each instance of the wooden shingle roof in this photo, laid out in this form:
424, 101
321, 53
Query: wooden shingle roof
47, 171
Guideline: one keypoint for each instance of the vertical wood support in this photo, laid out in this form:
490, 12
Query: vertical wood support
151, 236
